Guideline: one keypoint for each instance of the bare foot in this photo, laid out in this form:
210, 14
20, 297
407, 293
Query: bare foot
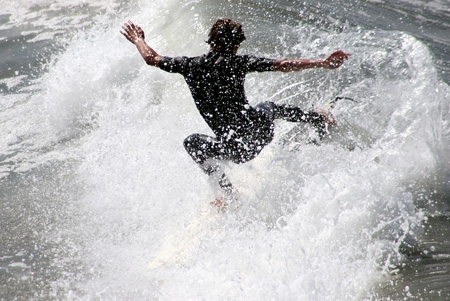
220, 204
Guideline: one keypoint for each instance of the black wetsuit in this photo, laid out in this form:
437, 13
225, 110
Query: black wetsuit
216, 82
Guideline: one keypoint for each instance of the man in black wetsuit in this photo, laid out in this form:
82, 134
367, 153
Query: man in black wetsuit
216, 82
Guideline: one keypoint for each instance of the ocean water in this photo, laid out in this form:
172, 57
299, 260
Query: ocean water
94, 179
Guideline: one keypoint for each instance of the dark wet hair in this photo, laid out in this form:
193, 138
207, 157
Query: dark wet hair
225, 34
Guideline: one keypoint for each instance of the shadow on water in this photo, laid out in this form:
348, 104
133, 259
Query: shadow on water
425, 274
424, 277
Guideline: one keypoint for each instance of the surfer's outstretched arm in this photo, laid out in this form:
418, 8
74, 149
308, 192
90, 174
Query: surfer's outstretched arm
135, 35
333, 61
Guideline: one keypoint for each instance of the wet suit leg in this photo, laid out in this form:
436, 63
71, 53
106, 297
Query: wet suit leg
290, 113
202, 149
293, 114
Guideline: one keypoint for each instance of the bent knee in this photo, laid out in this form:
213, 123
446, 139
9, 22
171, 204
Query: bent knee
196, 146
193, 141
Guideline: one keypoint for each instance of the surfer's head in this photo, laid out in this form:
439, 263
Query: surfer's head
225, 36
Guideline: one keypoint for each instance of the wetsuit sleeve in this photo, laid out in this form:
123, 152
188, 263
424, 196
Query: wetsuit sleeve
259, 64
174, 64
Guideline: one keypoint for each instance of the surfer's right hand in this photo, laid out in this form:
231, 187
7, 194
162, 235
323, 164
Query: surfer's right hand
132, 32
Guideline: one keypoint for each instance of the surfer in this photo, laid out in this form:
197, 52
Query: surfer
216, 82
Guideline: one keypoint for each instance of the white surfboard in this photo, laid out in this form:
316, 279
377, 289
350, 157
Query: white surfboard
179, 247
